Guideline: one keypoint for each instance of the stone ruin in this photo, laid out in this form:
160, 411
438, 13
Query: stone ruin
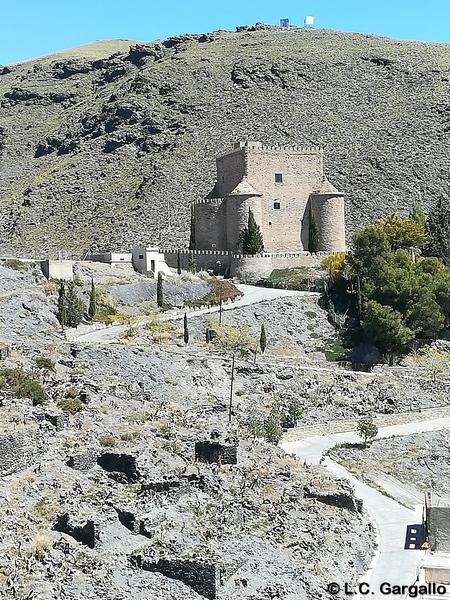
220, 449
200, 575
86, 533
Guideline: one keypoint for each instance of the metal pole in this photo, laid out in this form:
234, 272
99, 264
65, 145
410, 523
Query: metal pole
231, 391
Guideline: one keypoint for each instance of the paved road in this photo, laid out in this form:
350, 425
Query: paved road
251, 295
392, 563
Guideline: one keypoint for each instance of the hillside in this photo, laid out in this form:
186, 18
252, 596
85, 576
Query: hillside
105, 152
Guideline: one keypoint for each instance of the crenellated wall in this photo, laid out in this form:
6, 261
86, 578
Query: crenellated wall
281, 208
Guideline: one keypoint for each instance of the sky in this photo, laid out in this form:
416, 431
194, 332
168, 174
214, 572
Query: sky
31, 28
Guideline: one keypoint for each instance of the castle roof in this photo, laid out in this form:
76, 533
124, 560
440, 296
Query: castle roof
244, 188
327, 189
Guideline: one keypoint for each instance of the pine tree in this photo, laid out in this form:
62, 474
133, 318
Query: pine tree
251, 240
75, 306
179, 262
263, 339
92, 301
313, 245
159, 291
62, 305
437, 228
186, 329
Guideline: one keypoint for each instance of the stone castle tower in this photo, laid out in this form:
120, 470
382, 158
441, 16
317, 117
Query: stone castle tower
282, 186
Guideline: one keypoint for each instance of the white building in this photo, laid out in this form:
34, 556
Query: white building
112, 258
150, 261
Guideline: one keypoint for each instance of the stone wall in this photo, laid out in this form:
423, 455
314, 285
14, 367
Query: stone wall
245, 268
302, 170
251, 269
209, 223
200, 576
57, 269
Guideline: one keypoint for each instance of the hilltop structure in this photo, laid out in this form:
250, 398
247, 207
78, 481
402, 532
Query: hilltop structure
286, 190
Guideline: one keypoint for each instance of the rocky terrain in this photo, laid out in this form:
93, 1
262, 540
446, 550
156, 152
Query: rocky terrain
127, 481
419, 461
107, 145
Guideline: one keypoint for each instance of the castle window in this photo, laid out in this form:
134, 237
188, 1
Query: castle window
141, 256
278, 177
277, 205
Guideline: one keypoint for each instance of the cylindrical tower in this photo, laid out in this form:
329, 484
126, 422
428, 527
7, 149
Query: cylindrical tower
328, 209
208, 224
238, 204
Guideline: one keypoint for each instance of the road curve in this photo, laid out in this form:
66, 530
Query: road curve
251, 295
391, 563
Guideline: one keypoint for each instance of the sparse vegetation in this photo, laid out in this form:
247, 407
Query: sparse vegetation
108, 441
23, 384
367, 430
71, 405
45, 363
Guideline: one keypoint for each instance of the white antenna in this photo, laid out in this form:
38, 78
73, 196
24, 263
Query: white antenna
309, 21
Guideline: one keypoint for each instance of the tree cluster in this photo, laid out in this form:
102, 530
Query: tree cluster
391, 298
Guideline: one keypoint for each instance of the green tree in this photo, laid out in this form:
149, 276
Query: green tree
179, 262
367, 429
425, 317
251, 240
402, 233
263, 339
75, 306
192, 264
92, 301
313, 244
417, 215
159, 291
185, 329
438, 231
62, 305
384, 326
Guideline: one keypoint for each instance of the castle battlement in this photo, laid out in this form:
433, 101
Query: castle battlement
216, 201
284, 188
249, 146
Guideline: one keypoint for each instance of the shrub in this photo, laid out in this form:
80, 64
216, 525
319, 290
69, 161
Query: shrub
108, 441
23, 385
367, 429
268, 428
17, 265
71, 392
71, 405
30, 388
44, 363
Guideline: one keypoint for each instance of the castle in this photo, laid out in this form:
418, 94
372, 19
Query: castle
284, 187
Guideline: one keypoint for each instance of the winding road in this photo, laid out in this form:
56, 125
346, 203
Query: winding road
251, 295
391, 563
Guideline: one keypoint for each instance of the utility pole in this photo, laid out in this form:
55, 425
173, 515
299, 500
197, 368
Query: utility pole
230, 411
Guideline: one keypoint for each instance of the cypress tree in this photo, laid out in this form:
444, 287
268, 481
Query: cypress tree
417, 214
61, 315
192, 267
263, 339
313, 245
159, 291
437, 228
75, 306
186, 329
92, 301
179, 262
251, 239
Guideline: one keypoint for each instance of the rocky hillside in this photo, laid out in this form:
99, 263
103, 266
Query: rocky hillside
108, 145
